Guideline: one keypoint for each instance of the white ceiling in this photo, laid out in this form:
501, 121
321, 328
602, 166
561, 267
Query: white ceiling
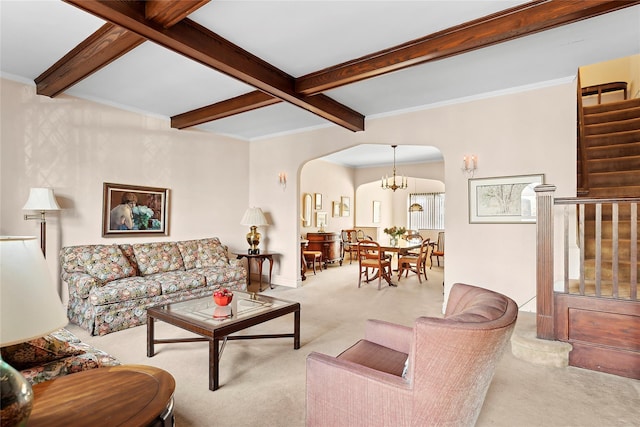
304, 36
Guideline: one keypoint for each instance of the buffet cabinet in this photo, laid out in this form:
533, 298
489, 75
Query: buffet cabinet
330, 244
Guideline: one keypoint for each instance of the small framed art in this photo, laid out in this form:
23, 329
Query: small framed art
508, 199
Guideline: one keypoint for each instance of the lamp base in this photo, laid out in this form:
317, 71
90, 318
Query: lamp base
254, 251
16, 396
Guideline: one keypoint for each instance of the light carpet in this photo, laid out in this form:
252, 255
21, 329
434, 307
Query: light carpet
262, 382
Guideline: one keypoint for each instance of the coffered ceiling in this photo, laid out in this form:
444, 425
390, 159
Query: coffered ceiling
255, 69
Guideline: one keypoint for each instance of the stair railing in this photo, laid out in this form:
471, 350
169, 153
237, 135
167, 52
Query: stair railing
583, 183
546, 244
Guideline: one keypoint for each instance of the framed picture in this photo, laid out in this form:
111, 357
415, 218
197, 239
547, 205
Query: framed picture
318, 201
307, 206
321, 219
377, 206
345, 206
134, 210
509, 199
335, 209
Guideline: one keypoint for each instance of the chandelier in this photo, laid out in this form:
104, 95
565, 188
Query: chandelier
395, 182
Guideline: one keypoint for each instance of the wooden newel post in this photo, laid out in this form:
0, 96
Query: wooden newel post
544, 265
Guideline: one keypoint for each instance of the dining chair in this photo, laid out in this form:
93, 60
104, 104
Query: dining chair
438, 250
415, 263
349, 243
371, 257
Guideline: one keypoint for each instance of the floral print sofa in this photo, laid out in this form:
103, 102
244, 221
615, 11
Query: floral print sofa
111, 286
54, 355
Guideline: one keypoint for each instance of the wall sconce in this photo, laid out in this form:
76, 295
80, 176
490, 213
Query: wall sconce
282, 180
469, 165
42, 200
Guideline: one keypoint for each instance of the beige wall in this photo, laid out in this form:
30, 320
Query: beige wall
532, 131
75, 146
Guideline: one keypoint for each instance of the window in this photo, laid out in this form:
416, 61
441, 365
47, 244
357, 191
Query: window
432, 215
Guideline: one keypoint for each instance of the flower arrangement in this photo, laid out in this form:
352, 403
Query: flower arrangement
141, 217
395, 232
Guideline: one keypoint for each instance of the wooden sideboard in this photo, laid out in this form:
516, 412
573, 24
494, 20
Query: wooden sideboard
330, 244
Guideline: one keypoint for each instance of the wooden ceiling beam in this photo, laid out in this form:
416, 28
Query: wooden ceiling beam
104, 46
169, 13
239, 104
107, 44
202, 45
502, 26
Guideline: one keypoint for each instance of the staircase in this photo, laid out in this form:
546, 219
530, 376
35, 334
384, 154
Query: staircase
612, 149
612, 154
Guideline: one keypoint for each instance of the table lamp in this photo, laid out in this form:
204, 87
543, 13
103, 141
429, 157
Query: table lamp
29, 308
42, 200
254, 218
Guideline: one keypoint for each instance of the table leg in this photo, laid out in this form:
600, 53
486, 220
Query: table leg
260, 261
214, 360
270, 271
296, 329
150, 324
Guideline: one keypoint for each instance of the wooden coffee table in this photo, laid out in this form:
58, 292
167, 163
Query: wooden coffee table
131, 395
198, 316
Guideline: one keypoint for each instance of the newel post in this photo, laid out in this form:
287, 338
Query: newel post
544, 265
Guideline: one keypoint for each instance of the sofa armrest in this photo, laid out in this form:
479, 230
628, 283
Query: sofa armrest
391, 335
80, 284
234, 262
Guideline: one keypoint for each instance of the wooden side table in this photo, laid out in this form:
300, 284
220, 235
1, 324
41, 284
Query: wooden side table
131, 395
260, 259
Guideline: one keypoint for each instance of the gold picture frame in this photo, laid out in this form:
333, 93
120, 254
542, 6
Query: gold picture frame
134, 210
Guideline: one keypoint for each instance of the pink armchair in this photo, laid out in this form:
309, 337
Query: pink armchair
448, 364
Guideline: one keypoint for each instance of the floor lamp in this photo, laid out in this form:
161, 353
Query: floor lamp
43, 200
29, 308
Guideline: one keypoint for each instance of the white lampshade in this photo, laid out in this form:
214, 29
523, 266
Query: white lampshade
29, 304
41, 199
254, 216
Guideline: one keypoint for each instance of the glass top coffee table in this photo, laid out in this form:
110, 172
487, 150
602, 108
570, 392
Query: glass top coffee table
214, 324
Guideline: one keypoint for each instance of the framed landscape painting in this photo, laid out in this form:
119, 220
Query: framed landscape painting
134, 210
509, 199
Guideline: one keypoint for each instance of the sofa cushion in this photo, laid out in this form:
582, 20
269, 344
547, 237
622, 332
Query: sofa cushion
88, 357
158, 257
223, 275
203, 253
108, 263
175, 281
127, 250
130, 288
73, 258
37, 352
189, 251
133, 288
211, 253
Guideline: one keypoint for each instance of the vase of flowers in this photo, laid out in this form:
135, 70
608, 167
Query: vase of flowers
394, 233
141, 217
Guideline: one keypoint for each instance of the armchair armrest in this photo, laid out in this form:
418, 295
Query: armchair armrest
340, 392
391, 335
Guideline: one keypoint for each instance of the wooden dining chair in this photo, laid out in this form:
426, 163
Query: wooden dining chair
438, 250
370, 257
415, 263
349, 243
